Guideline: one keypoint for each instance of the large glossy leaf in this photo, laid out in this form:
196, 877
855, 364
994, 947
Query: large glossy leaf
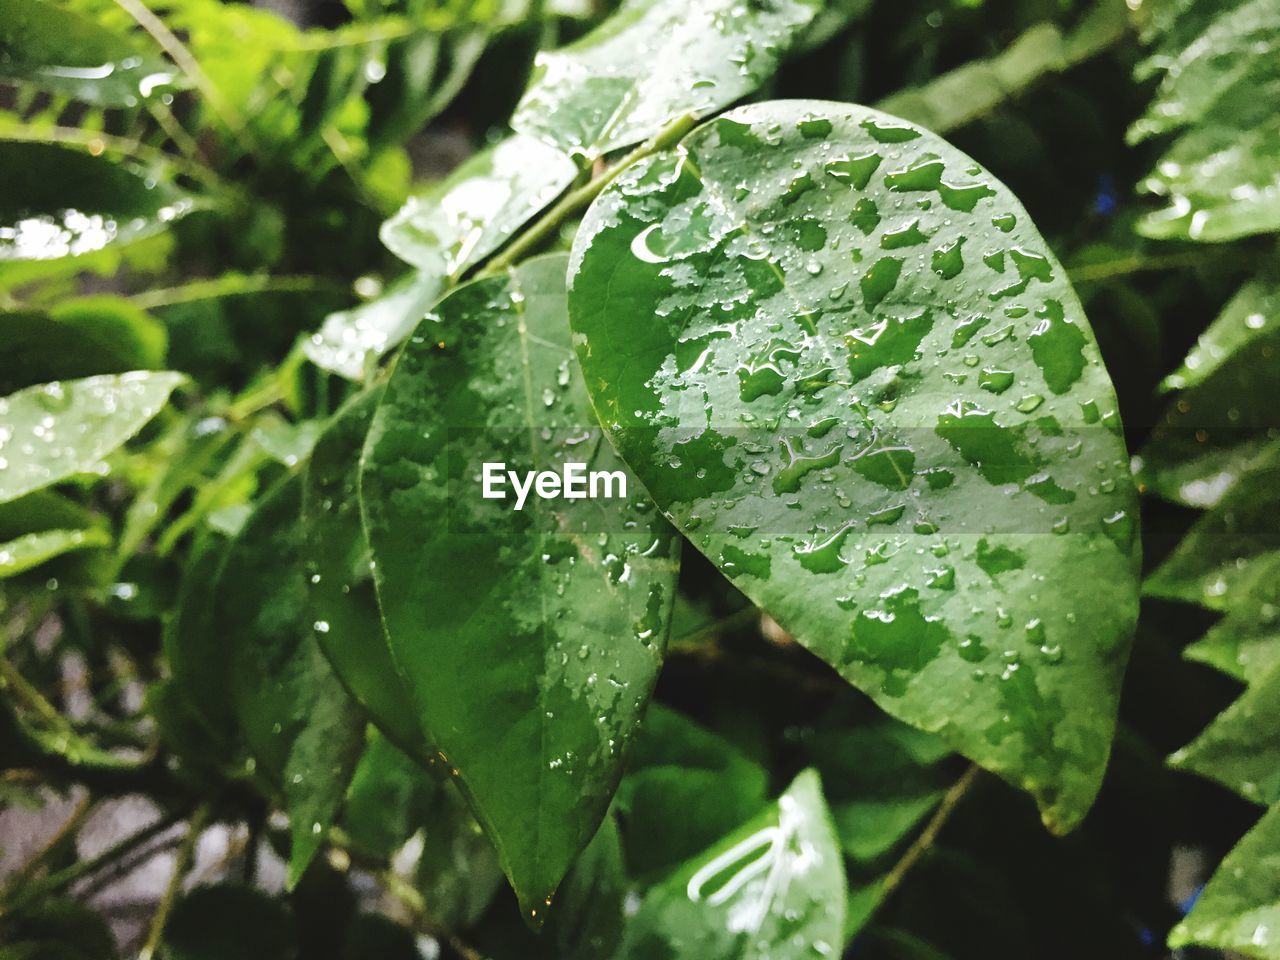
61, 202
842, 360
343, 605
654, 61
63, 52
466, 216
530, 639
1239, 909
56, 430
1241, 749
1221, 88
773, 889
297, 720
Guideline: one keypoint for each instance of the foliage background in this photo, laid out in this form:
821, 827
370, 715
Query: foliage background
293, 136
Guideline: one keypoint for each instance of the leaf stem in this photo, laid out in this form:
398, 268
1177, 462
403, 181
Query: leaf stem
229, 286
181, 864
55, 842
929, 835
577, 200
1125, 266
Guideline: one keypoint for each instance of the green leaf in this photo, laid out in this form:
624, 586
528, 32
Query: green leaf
56, 430
389, 798
463, 218
1245, 643
214, 923
343, 604
55, 928
78, 338
685, 788
20, 555
60, 202
842, 360
1227, 549
553, 617
1221, 88
65, 53
652, 62
458, 873
1239, 909
775, 888
351, 341
1240, 749
1253, 311
300, 725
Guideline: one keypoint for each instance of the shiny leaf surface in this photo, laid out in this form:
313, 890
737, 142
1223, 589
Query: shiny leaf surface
1251, 317
651, 62
297, 720
32, 549
842, 360
1245, 643
773, 889
530, 639
56, 430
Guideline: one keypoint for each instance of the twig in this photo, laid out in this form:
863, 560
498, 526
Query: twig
181, 864
929, 835
579, 199
55, 842
228, 287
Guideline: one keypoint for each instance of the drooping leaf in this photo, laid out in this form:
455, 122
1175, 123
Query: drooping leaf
1245, 643
61, 202
458, 872
1239, 909
351, 341
1221, 89
773, 889
1241, 749
343, 605
841, 359
389, 798
466, 216
652, 62
56, 430
32, 549
1227, 549
63, 52
298, 722
1251, 312
529, 639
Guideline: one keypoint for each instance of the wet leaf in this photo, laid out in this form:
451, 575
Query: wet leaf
32, 549
388, 800
1245, 643
1220, 89
1252, 312
301, 727
459, 221
1240, 749
56, 430
652, 62
343, 605
773, 889
530, 639
842, 360
60, 202
62, 52
1239, 909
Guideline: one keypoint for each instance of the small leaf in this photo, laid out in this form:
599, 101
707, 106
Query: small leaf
60, 202
1239, 909
351, 341
64, 53
773, 889
652, 62
214, 923
459, 221
297, 720
1251, 314
1240, 749
843, 361
343, 604
389, 798
18, 556
1245, 643
54, 431
530, 640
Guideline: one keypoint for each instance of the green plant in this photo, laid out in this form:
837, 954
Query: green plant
859, 518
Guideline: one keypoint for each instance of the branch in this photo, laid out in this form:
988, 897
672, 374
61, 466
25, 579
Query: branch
181, 864
929, 835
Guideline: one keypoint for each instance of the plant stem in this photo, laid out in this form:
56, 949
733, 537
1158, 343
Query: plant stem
577, 200
229, 286
929, 835
181, 864
1125, 266
60, 836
